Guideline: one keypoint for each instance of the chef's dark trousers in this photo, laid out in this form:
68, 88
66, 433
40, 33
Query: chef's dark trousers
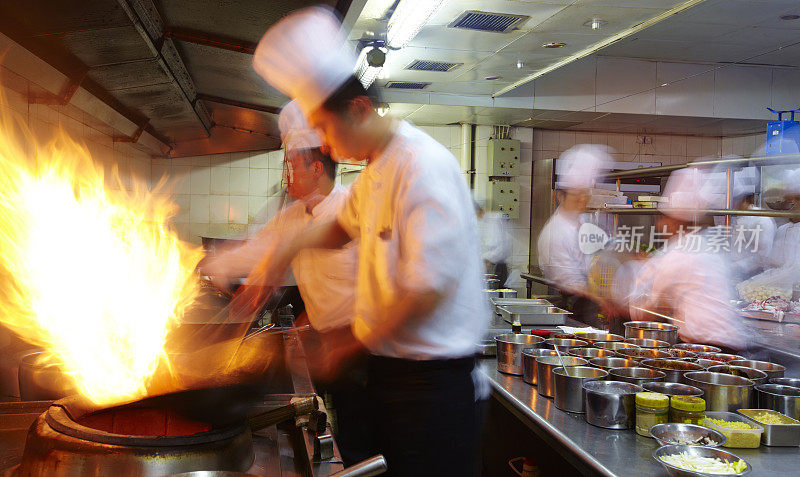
425, 418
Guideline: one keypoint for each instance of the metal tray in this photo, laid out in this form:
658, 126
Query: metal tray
548, 315
535, 305
778, 435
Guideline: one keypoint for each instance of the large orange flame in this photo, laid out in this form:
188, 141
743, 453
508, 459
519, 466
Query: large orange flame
93, 274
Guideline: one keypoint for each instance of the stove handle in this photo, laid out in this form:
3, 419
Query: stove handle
375, 465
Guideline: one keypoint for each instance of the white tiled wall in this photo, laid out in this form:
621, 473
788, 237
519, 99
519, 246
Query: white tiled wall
222, 195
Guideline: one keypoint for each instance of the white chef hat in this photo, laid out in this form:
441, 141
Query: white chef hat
305, 56
295, 131
579, 166
688, 191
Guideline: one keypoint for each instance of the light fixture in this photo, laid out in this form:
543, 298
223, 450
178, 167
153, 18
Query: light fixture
595, 23
554, 44
382, 109
789, 16
408, 19
493, 77
370, 64
520, 64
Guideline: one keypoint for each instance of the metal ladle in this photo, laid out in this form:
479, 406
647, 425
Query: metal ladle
566, 370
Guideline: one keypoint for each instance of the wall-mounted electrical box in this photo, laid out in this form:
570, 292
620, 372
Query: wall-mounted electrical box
503, 197
503, 158
783, 137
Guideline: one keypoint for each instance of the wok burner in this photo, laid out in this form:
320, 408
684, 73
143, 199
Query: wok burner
73, 439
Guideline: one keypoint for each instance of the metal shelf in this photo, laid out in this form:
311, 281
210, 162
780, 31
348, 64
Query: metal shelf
750, 213
666, 170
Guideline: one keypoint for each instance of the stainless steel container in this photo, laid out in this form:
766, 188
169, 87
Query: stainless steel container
652, 330
613, 362
700, 451
724, 357
590, 353
568, 386
697, 348
793, 382
758, 377
707, 363
673, 389
773, 370
611, 404
594, 338
673, 368
636, 375
784, 399
529, 356
777, 435
682, 354
671, 433
564, 345
615, 345
509, 351
544, 371
40, 381
722, 392
647, 343
640, 354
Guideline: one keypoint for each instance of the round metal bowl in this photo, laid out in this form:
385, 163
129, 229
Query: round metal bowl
612, 362
642, 353
712, 452
707, 363
509, 351
647, 343
724, 357
673, 368
698, 348
793, 382
682, 354
615, 345
611, 404
673, 389
589, 353
529, 356
636, 375
651, 330
773, 370
722, 392
563, 344
593, 338
671, 433
784, 399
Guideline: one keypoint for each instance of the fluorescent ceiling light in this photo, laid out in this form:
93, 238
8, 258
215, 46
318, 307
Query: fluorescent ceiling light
599, 45
364, 72
408, 19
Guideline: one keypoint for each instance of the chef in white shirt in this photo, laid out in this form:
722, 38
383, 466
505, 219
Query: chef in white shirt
419, 305
688, 279
786, 245
746, 261
560, 257
326, 278
495, 242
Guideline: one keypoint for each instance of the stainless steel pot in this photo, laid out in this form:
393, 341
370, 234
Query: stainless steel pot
640, 354
563, 344
793, 382
614, 345
673, 389
612, 362
652, 330
39, 381
773, 370
529, 356
590, 353
611, 404
758, 377
568, 386
697, 348
544, 371
673, 368
636, 375
784, 399
509, 351
647, 343
707, 363
724, 357
682, 354
593, 338
722, 392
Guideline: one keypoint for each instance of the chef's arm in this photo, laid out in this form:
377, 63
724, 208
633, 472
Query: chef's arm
325, 235
412, 306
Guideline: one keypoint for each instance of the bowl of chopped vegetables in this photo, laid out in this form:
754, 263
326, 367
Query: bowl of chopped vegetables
681, 460
678, 433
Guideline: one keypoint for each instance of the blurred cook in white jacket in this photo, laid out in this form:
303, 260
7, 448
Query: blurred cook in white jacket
560, 257
746, 261
786, 245
495, 241
687, 280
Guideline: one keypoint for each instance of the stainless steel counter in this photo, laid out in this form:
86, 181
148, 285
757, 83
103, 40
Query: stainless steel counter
604, 451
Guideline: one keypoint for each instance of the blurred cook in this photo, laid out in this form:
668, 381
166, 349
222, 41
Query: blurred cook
326, 278
560, 257
688, 279
419, 303
786, 245
759, 232
495, 242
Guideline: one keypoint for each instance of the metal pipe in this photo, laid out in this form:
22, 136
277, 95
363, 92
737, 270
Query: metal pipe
209, 39
751, 213
743, 161
238, 104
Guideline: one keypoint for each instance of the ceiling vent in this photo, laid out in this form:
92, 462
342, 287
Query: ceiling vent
428, 65
485, 21
406, 85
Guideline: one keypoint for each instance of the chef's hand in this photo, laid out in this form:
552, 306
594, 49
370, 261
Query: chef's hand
260, 283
